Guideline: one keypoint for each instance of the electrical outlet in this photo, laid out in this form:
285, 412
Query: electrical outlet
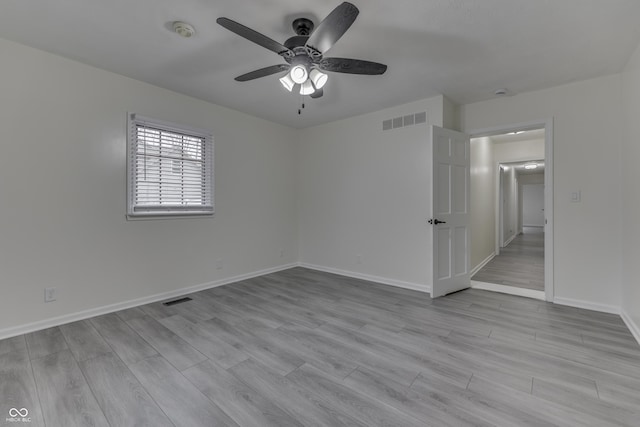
219, 264
359, 259
50, 294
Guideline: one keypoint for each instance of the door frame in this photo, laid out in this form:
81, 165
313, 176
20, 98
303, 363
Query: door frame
499, 206
499, 201
547, 125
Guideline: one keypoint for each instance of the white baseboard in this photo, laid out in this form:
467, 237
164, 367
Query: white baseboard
587, 305
486, 261
85, 314
511, 290
633, 326
509, 240
376, 279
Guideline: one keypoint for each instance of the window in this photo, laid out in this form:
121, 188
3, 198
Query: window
170, 169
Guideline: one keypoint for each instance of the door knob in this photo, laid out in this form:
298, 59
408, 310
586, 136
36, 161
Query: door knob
436, 221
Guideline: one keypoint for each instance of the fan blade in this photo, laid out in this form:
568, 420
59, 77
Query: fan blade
255, 37
317, 94
333, 27
352, 66
263, 72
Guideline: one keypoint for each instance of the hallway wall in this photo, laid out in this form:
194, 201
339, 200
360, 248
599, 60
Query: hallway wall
509, 205
630, 206
483, 194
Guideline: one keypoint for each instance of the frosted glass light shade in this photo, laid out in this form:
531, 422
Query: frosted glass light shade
287, 82
318, 78
299, 73
307, 88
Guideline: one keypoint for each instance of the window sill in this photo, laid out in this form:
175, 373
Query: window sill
157, 215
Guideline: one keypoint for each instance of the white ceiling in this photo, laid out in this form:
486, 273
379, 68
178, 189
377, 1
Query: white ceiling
464, 49
527, 135
521, 170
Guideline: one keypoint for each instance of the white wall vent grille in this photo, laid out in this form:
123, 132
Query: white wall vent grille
409, 120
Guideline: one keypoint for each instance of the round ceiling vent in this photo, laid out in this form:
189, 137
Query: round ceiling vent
183, 29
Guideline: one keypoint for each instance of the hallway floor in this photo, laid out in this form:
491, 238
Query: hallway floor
520, 264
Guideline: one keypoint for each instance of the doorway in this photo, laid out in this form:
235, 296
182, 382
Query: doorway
519, 259
512, 209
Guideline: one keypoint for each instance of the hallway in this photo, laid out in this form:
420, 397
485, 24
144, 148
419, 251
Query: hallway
520, 264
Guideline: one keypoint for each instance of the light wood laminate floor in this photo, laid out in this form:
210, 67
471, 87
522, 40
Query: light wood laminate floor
520, 264
305, 348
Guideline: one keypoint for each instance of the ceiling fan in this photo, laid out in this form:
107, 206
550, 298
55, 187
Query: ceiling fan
304, 52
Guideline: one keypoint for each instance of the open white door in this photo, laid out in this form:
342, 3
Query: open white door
451, 248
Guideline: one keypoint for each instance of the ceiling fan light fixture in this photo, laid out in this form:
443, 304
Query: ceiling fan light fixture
318, 78
287, 82
307, 88
299, 74
304, 52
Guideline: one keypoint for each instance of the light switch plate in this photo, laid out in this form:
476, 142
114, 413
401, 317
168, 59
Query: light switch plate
576, 196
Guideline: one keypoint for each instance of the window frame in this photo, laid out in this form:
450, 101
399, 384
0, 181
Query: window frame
137, 211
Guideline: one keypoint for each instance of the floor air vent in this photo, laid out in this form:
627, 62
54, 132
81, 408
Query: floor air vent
177, 301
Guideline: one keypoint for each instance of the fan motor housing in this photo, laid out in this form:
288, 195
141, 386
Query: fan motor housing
300, 59
296, 41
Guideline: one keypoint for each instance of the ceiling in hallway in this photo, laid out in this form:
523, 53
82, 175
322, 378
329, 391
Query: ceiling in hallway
521, 170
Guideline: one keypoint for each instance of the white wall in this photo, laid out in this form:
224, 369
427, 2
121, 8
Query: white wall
533, 205
63, 192
516, 151
364, 191
587, 157
450, 114
509, 205
529, 179
483, 190
631, 197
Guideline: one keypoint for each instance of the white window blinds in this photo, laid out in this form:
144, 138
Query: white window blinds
170, 169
